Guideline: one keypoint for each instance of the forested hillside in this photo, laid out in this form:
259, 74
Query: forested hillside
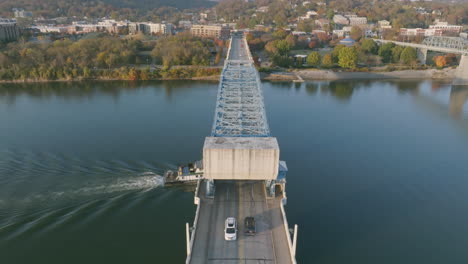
95, 8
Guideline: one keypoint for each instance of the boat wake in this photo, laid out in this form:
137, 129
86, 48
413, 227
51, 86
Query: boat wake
144, 181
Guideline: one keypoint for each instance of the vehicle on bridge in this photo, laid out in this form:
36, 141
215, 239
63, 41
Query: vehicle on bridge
249, 224
230, 229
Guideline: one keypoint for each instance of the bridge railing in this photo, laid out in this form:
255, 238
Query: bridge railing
195, 223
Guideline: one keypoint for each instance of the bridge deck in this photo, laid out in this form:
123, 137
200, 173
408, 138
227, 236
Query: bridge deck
240, 111
240, 199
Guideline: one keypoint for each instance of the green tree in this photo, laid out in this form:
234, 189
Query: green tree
283, 47
396, 53
369, 46
330, 14
408, 55
313, 59
385, 51
347, 58
336, 52
327, 61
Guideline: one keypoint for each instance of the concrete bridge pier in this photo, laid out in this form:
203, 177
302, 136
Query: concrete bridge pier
461, 74
422, 55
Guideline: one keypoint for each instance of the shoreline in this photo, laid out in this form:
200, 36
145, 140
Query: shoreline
310, 75
306, 75
204, 78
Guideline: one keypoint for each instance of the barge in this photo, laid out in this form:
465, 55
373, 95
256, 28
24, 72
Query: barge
186, 174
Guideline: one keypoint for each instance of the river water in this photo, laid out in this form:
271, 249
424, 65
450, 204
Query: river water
378, 170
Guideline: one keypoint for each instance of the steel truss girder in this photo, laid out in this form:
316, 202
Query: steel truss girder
240, 111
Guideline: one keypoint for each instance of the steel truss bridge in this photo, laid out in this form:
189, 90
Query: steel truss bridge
455, 43
240, 111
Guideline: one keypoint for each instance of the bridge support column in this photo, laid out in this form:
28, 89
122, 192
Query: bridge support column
461, 74
422, 55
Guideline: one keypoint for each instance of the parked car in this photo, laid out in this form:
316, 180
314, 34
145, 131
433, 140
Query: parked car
250, 226
230, 229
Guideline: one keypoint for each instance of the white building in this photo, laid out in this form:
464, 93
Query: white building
356, 21
445, 27
151, 28
340, 20
308, 15
384, 24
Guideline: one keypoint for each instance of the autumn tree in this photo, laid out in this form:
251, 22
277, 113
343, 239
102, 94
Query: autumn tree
313, 59
440, 61
327, 61
356, 33
347, 57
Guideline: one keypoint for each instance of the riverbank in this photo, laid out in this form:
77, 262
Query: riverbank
307, 75
202, 78
313, 74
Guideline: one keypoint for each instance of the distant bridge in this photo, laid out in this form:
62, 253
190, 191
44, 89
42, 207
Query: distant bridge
454, 45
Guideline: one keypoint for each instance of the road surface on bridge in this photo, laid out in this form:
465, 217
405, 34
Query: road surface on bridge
240, 199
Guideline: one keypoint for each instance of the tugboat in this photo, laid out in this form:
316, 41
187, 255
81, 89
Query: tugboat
186, 174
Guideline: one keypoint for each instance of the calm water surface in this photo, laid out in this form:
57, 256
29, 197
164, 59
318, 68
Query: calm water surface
378, 169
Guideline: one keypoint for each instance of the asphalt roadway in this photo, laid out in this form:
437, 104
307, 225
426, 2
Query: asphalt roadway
238, 49
240, 199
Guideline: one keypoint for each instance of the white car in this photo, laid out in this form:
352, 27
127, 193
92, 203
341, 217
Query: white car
230, 228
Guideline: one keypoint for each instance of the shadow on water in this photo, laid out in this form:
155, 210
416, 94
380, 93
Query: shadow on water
458, 98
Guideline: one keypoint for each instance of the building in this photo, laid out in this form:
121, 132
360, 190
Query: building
308, 15
345, 31
211, 31
262, 9
384, 24
9, 31
445, 27
349, 42
422, 32
322, 22
20, 13
356, 21
185, 24
340, 20
151, 28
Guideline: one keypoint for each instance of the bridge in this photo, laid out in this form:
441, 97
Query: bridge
243, 175
453, 45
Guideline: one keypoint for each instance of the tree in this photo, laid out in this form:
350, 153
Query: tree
396, 52
327, 61
408, 55
313, 59
369, 46
347, 57
283, 47
440, 61
336, 52
385, 51
312, 44
356, 33
291, 39
330, 14
305, 25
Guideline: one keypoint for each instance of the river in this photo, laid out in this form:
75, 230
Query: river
378, 170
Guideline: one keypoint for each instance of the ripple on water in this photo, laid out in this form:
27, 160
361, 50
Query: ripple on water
43, 191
